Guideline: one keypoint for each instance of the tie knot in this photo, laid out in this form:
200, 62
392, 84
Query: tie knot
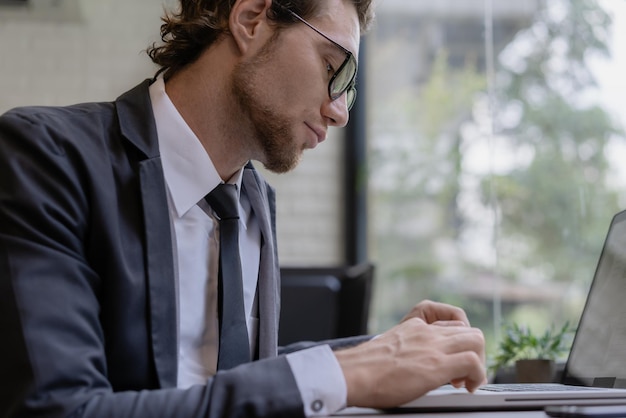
223, 200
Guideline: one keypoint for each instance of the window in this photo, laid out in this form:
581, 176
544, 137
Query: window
494, 143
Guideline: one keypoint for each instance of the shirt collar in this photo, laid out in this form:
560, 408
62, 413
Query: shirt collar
188, 170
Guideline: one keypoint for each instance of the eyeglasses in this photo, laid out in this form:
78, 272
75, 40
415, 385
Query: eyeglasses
343, 81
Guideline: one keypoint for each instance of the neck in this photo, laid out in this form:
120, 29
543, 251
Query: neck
201, 94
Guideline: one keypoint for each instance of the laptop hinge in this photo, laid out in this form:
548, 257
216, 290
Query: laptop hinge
604, 382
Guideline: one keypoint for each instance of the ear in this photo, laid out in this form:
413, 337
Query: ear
248, 23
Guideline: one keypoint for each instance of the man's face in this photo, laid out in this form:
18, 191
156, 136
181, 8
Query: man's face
283, 89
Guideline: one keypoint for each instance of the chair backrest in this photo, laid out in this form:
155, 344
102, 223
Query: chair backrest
321, 303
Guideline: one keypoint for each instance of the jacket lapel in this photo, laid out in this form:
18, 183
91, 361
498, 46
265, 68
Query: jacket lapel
262, 200
138, 126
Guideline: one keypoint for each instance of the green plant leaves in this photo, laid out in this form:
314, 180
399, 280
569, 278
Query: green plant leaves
521, 343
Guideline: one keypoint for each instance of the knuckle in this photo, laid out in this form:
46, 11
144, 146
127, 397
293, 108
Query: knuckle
474, 361
478, 334
473, 357
415, 321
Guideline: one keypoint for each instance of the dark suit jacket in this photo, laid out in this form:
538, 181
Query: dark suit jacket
87, 292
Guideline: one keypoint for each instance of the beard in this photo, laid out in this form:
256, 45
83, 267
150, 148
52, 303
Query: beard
279, 150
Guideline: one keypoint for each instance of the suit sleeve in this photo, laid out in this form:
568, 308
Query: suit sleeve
335, 344
53, 359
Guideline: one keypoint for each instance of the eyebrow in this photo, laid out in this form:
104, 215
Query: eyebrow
332, 49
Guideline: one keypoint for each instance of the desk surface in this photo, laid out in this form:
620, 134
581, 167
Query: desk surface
369, 413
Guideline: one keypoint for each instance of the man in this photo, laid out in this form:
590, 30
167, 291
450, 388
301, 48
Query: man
110, 255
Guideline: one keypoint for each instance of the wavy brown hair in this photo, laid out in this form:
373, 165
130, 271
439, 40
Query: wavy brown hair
197, 24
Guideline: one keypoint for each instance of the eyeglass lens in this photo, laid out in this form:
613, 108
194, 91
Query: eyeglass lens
343, 82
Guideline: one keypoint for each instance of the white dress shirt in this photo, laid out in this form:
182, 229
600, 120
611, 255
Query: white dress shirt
190, 175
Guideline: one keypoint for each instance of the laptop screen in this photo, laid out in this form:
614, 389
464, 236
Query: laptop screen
598, 354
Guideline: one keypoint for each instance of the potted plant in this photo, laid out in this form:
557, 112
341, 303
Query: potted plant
533, 355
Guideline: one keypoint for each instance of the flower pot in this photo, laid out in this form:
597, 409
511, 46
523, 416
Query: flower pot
535, 371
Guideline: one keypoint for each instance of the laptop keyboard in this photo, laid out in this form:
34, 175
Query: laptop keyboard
532, 387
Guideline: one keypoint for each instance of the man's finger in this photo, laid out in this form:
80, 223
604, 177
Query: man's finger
450, 323
432, 312
462, 339
468, 368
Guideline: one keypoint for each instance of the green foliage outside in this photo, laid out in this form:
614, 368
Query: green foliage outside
436, 219
521, 343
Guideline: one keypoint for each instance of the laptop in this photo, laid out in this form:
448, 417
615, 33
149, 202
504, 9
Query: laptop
595, 372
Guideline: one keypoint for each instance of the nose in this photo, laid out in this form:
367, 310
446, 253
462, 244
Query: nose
336, 111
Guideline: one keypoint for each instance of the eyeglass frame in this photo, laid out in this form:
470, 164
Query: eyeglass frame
350, 87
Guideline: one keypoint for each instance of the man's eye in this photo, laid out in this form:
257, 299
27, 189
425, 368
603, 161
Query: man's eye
330, 69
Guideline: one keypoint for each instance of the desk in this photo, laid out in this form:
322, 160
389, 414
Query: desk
370, 413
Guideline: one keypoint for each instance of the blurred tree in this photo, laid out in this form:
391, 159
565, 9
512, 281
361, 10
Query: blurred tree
417, 174
431, 213
558, 204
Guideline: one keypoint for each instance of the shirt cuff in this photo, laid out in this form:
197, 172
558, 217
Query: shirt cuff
320, 380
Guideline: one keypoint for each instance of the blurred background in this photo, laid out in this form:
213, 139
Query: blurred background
481, 167
496, 145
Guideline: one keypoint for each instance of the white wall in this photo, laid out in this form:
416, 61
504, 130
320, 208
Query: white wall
61, 52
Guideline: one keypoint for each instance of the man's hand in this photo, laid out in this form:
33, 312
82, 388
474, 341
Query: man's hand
415, 357
438, 313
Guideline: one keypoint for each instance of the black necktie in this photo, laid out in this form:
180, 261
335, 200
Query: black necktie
234, 347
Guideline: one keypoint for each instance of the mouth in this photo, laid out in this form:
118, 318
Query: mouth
320, 133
